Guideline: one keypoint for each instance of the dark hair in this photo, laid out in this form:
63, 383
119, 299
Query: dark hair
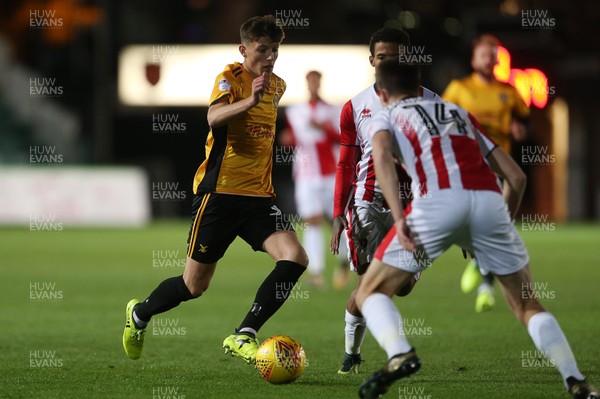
315, 73
257, 27
398, 78
388, 35
485, 38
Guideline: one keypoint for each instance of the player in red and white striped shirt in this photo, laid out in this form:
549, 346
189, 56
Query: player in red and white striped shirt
457, 200
312, 131
357, 194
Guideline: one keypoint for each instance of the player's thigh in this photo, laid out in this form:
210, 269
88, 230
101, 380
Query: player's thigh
307, 193
214, 227
265, 229
495, 241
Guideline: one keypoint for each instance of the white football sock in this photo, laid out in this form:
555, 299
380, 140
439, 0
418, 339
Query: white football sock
550, 340
355, 333
315, 249
384, 322
138, 322
248, 330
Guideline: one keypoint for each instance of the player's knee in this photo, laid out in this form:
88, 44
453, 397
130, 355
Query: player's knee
298, 255
361, 295
197, 287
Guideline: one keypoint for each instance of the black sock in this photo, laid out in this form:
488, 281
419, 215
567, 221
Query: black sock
167, 295
272, 293
488, 278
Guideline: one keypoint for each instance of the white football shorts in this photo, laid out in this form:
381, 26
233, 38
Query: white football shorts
477, 221
314, 197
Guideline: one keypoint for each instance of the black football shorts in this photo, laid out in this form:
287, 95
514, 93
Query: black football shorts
217, 219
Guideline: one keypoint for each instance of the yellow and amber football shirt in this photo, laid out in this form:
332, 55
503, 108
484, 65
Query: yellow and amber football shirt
239, 154
493, 104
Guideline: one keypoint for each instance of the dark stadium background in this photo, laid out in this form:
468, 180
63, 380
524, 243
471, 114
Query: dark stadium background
84, 59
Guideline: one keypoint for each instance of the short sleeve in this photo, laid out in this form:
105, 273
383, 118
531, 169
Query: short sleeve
380, 122
225, 85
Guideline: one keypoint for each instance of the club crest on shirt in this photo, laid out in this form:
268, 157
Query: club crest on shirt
224, 85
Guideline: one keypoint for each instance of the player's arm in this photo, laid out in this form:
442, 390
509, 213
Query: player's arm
344, 175
221, 112
385, 171
504, 166
514, 178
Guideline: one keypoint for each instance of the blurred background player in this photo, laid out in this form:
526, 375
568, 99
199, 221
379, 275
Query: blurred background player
502, 114
358, 194
451, 161
312, 130
233, 196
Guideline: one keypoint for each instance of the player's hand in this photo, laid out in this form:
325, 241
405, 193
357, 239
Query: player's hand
405, 236
339, 224
259, 86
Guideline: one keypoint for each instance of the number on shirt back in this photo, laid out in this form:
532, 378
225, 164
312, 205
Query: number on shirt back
440, 117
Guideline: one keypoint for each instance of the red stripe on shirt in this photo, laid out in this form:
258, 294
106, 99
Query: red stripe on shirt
411, 135
370, 181
440, 165
475, 174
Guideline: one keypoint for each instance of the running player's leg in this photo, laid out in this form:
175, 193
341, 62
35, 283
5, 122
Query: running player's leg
543, 328
308, 195
264, 232
384, 321
500, 250
369, 224
207, 242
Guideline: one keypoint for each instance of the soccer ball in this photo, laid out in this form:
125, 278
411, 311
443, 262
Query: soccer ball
280, 359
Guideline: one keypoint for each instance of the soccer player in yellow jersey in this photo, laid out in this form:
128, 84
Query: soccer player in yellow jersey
233, 196
501, 112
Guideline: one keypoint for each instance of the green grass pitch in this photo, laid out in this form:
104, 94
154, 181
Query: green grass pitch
64, 293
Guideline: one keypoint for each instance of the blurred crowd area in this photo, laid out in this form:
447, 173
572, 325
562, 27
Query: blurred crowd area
59, 62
